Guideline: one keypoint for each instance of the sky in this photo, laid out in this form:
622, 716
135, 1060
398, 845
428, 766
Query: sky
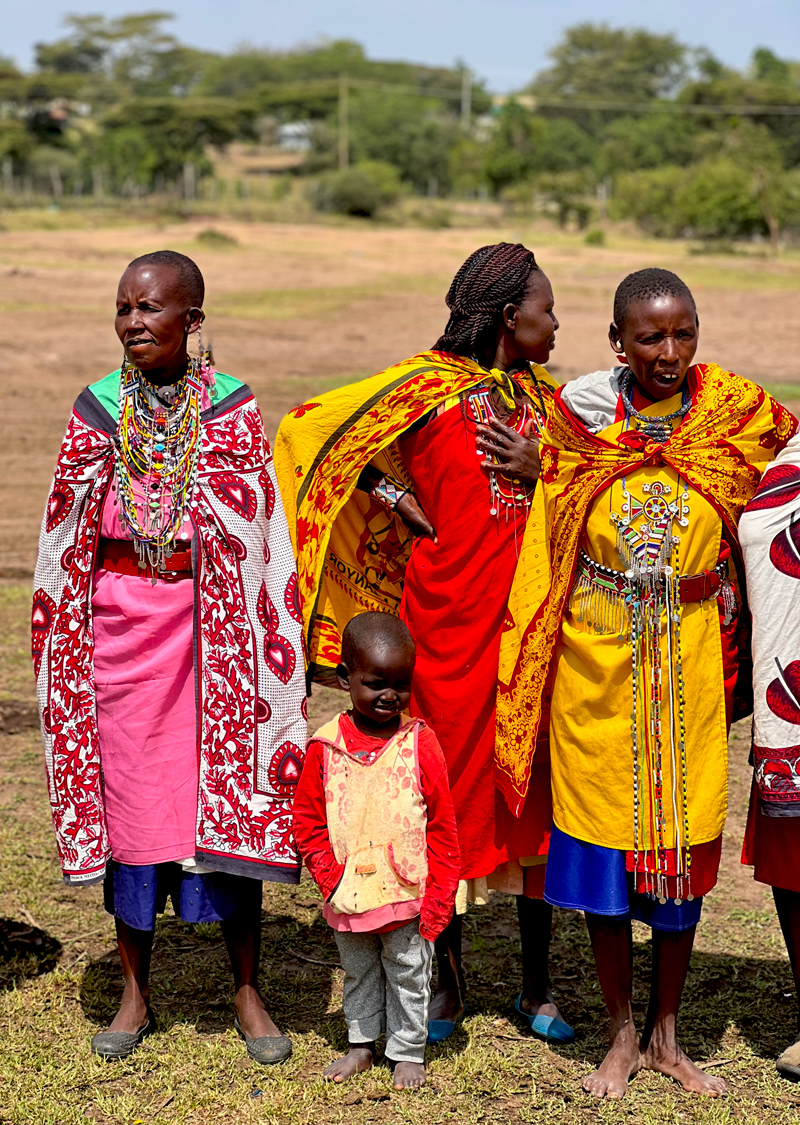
505, 42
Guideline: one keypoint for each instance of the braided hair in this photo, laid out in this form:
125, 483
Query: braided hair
490, 279
646, 284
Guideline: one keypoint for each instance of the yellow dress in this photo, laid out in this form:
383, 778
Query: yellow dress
594, 765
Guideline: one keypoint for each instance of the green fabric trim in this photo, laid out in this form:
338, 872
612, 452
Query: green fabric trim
106, 391
225, 385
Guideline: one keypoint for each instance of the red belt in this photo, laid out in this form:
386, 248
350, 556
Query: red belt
119, 556
699, 587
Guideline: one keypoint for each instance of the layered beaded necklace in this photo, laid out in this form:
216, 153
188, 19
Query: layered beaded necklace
506, 492
156, 450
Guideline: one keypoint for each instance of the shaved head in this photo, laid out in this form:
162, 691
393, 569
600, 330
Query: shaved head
371, 633
190, 279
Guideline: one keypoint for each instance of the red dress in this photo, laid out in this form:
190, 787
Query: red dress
454, 603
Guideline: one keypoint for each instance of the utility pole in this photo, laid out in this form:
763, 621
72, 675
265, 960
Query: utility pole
466, 97
344, 139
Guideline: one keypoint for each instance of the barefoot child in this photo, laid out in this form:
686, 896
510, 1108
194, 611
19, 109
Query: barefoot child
374, 822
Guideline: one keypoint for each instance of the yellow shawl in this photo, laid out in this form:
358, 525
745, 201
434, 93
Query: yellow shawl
721, 447
351, 555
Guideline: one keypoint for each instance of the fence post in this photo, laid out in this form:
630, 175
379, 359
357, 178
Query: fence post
344, 124
56, 182
8, 175
97, 183
466, 97
189, 181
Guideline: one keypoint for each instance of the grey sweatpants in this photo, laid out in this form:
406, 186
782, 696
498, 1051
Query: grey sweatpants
387, 988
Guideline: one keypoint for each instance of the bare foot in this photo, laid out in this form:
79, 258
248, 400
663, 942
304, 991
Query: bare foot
408, 1075
254, 1019
675, 1064
132, 1015
611, 1078
446, 1005
357, 1060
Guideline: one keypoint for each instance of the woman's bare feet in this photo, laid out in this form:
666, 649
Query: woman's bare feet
675, 1064
356, 1061
611, 1078
408, 1075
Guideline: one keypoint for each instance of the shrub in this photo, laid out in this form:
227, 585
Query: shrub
360, 190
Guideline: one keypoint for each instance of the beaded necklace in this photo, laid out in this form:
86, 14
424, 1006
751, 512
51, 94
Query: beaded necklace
506, 491
156, 450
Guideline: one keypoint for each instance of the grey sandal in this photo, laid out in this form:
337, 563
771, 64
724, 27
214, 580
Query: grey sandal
121, 1044
266, 1049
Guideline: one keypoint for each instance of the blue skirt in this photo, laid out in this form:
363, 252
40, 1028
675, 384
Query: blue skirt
591, 878
136, 894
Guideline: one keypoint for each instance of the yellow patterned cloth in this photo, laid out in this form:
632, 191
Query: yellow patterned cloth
732, 431
590, 724
351, 554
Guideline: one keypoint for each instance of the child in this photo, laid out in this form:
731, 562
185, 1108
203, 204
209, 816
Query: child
374, 822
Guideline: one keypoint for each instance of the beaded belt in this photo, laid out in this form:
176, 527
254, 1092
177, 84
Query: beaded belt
691, 587
119, 556
602, 597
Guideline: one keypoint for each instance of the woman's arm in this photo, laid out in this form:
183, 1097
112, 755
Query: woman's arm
395, 497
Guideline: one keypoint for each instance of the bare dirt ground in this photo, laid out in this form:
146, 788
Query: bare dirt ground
295, 310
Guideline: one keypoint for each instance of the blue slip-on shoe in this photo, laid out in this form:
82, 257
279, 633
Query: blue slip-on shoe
551, 1029
439, 1030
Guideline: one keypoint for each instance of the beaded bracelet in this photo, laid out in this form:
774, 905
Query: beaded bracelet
389, 493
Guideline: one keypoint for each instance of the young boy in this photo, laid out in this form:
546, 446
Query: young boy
374, 822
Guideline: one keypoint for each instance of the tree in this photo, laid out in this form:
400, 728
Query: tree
597, 62
648, 141
524, 144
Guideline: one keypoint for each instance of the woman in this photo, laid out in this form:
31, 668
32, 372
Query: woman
646, 469
166, 642
770, 539
441, 445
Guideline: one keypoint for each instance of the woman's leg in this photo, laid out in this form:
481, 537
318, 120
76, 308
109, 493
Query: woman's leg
787, 903
612, 945
242, 935
135, 949
660, 1048
448, 1000
535, 928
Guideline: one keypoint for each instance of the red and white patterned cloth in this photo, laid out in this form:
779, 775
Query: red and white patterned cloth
769, 532
249, 669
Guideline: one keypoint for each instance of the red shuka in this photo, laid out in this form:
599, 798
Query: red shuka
454, 603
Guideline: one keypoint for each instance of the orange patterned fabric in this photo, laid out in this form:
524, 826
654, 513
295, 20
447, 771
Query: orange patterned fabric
722, 446
351, 555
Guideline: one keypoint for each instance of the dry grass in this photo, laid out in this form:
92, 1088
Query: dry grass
335, 301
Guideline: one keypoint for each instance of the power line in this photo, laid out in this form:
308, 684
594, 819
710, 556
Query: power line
533, 103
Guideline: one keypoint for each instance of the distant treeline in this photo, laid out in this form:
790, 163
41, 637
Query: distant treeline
623, 122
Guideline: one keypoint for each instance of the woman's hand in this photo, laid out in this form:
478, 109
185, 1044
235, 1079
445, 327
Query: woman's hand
414, 518
517, 454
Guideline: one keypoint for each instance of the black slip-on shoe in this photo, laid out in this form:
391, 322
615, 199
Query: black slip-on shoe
121, 1044
266, 1049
